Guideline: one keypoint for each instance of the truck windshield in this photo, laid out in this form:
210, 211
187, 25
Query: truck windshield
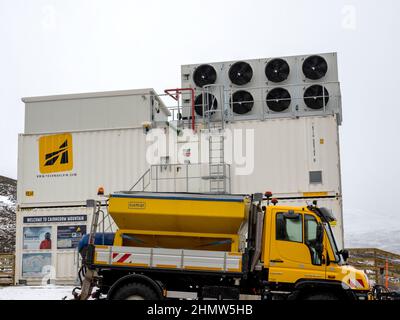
338, 258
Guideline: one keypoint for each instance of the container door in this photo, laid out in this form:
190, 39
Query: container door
67, 266
294, 251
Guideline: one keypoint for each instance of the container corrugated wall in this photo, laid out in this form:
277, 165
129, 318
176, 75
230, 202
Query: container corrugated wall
114, 159
286, 151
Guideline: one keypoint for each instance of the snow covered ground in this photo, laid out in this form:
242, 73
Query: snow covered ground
50, 292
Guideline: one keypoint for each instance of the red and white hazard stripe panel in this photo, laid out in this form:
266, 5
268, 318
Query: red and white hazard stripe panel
121, 257
356, 283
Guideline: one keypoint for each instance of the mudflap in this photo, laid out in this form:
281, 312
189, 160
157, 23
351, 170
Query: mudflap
220, 292
87, 286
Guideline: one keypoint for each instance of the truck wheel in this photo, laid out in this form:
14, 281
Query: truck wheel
135, 291
321, 296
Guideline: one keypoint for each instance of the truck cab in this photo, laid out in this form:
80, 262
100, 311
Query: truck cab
301, 256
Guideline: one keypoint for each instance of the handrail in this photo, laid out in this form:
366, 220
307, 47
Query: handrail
176, 97
198, 172
141, 178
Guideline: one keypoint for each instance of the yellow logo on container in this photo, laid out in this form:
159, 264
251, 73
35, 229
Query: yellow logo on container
55, 153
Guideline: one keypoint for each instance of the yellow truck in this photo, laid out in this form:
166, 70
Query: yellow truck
205, 246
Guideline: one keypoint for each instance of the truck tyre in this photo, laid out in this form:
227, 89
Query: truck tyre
321, 296
135, 291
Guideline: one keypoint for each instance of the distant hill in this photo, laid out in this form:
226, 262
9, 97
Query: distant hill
8, 199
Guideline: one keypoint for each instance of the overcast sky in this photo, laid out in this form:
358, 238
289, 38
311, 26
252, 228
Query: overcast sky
70, 46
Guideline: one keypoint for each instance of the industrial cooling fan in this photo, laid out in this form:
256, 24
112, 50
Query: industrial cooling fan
204, 74
277, 70
316, 97
240, 73
315, 67
278, 99
210, 103
242, 102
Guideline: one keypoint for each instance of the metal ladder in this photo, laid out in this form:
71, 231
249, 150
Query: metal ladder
217, 174
215, 129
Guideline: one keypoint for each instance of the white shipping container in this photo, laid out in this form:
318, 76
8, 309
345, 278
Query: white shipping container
287, 153
113, 159
93, 111
290, 157
36, 264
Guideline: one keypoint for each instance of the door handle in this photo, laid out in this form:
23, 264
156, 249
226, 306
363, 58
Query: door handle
276, 261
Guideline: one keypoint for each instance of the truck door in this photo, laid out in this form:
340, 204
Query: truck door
294, 251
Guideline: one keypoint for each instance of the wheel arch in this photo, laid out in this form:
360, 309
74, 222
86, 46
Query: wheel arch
135, 278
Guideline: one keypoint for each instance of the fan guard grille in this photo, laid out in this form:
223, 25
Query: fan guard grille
277, 70
211, 103
278, 99
315, 67
315, 96
240, 73
204, 74
242, 102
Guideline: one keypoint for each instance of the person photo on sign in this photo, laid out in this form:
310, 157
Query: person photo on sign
46, 243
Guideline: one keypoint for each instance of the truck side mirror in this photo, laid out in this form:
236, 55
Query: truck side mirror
345, 254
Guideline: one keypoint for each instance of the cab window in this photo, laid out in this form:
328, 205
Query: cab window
289, 228
311, 238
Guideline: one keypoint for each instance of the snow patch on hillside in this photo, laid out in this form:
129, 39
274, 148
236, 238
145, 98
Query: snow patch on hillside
6, 201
